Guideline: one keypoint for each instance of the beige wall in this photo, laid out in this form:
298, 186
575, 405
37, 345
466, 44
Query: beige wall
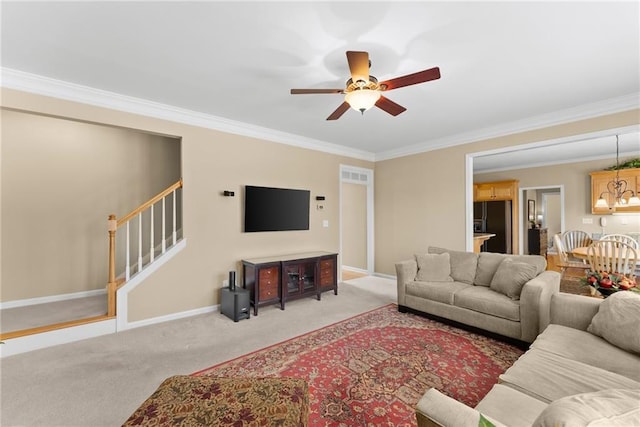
214, 161
577, 193
420, 199
60, 181
354, 225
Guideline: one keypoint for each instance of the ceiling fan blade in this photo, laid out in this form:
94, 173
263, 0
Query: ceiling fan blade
412, 79
358, 65
339, 111
389, 106
307, 91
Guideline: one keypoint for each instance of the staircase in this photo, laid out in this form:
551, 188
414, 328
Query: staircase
145, 237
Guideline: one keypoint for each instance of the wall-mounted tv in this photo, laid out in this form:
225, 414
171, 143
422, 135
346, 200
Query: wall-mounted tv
275, 209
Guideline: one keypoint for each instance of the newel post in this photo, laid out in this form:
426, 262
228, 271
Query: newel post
112, 286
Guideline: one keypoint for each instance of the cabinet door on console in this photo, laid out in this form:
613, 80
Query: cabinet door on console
299, 278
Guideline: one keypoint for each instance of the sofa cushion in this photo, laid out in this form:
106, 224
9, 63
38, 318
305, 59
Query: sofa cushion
434, 268
435, 291
617, 320
500, 402
484, 300
488, 263
463, 264
589, 349
611, 408
511, 276
548, 377
538, 261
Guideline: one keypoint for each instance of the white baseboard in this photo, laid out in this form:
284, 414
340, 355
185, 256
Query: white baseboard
355, 269
59, 336
51, 298
385, 276
173, 316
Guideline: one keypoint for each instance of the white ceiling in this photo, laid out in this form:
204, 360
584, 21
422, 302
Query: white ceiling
506, 66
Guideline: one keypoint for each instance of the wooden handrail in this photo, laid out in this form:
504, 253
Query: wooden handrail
113, 284
149, 202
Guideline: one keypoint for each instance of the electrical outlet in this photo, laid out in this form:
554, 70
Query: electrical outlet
225, 283
624, 220
587, 220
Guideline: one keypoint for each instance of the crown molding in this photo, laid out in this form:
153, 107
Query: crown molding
33, 83
587, 111
40, 85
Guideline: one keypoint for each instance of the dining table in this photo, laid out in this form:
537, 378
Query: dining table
582, 253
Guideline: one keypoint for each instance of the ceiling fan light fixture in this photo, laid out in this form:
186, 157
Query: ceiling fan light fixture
362, 99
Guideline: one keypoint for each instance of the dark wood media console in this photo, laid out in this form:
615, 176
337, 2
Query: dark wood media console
273, 280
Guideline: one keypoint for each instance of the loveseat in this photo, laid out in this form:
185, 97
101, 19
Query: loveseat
505, 294
583, 369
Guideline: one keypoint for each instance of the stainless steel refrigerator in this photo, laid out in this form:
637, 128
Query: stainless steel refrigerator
495, 218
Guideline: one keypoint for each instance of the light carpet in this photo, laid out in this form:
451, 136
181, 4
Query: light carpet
101, 381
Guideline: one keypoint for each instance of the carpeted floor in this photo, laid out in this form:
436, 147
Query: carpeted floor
372, 369
101, 381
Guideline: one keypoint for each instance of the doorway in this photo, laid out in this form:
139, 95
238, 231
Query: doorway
545, 207
356, 221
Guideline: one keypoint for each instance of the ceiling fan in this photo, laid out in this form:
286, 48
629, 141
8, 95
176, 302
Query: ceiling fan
363, 91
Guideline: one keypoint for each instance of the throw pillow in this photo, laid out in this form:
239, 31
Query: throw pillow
434, 268
612, 408
463, 264
617, 320
511, 276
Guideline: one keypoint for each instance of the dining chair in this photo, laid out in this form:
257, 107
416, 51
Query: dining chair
612, 256
563, 258
625, 238
572, 239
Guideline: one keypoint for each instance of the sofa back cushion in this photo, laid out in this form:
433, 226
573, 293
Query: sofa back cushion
488, 263
609, 407
511, 276
433, 268
463, 264
617, 320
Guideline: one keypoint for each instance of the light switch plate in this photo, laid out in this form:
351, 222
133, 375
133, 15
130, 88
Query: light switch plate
325, 223
587, 220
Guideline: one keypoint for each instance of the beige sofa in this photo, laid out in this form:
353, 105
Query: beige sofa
584, 369
505, 294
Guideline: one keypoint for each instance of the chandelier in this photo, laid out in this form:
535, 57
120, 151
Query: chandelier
618, 190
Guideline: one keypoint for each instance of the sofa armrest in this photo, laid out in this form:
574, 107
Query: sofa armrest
535, 303
438, 410
574, 311
406, 272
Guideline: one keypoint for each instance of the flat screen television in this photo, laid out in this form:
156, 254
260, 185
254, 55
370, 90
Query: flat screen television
275, 209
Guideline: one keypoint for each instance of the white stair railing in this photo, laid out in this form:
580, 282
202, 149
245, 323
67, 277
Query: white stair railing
145, 231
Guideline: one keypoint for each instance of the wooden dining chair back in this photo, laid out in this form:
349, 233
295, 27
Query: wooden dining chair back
612, 256
563, 258
572, 239
624, 238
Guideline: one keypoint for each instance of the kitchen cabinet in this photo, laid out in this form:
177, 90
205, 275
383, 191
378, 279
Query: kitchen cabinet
490, 191
599, 181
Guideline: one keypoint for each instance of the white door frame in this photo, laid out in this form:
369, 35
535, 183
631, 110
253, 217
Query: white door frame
364, 176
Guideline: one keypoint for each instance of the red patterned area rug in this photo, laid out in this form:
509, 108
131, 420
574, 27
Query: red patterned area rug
371, 370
